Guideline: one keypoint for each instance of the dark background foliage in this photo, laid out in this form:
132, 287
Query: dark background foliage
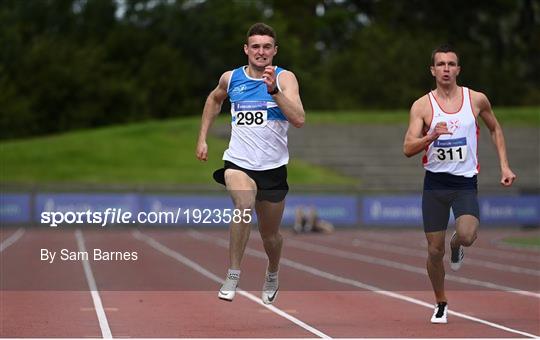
70, 64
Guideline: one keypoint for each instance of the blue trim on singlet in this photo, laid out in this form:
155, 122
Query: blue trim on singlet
243, 91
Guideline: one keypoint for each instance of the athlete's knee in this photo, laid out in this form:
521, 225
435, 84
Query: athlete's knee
436, 252
468, 239
271, 237
244, 202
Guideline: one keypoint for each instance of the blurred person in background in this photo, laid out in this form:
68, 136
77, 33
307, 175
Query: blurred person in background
307, 220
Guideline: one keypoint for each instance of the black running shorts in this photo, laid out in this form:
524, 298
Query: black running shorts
443, 191
272, 184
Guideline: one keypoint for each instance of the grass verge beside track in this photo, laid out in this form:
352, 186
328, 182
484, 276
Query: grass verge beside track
529, 242
161, 152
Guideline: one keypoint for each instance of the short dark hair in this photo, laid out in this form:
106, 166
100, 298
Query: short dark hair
261, 29
444, 48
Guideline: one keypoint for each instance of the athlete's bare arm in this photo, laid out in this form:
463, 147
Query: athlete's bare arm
212, 107
288, 99
483, 107
419, 120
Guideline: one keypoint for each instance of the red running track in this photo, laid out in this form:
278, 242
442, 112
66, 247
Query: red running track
354, 283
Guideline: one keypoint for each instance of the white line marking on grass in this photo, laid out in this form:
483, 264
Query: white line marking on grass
11, 239
201, 270
312, 270
100, 312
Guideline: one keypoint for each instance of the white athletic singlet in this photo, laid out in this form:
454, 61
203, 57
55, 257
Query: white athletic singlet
259, 128
456, 154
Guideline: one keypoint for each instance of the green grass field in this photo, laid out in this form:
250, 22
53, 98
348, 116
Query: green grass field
506, 116
163, 152
528, 242
156, 152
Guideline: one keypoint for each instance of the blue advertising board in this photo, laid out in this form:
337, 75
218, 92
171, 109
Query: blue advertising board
407, 210
15, 208
392, 210
190, 210
338, 209
524, 210
341, 210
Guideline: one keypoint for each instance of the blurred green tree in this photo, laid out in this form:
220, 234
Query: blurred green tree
71, 64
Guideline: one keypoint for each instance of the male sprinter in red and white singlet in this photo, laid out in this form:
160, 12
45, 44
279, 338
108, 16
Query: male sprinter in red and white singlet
444, 124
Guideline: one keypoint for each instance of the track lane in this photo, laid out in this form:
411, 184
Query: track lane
325, 307
171, 301
41, 299
157, 296
413, 260
486, 246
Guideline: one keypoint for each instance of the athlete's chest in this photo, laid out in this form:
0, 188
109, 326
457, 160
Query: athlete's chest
457, 123
449, 105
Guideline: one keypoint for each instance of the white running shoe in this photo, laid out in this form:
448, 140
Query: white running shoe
228, 289
440, 313
456, 256
270, 289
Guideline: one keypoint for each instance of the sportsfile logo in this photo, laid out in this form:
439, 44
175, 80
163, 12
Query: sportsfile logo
120, 216
109, 216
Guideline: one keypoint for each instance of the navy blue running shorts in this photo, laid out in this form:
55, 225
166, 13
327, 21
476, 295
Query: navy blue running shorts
272, 184
444, 191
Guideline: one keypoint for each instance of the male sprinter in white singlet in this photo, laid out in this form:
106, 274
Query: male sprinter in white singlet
264, 100
443, 123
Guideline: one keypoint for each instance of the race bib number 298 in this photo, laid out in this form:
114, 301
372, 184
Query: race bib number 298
250, 114
450, 150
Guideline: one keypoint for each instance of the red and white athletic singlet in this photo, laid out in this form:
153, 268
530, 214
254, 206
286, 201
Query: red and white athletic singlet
456, 154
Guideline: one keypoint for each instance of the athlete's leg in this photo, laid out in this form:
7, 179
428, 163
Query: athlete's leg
467, 212
435, 213
466, 230
269, 215
243, 191
435, 266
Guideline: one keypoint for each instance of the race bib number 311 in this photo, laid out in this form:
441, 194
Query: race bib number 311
250, 114
450, 150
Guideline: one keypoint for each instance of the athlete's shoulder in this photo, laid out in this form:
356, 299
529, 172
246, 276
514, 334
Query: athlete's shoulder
236, 72
477, 95
287, 78
226, 75
422, 105
479, 100
225, 78
283, 73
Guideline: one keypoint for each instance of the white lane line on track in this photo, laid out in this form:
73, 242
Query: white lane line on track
312, 270
476, 249
100, 312
398, 265
418, 253
195, 266
11, 239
